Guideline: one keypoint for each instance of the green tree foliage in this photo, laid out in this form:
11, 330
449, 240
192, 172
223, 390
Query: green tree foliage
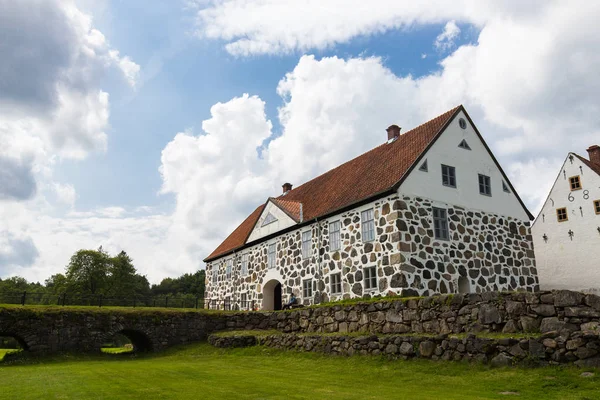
87, 272
191, 284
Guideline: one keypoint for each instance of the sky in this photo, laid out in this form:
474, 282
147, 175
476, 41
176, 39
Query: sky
156, 127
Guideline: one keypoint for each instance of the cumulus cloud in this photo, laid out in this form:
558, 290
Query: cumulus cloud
445, 40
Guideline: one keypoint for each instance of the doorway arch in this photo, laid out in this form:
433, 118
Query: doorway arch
463, 285
272, 295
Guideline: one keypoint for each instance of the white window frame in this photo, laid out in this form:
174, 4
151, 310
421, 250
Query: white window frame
272, 255
334, 285
229, 268
244, 300
437, 220
367, 226
244, 269
215, 274
372, 280
335, 239
485, 183
307, 288
306, 244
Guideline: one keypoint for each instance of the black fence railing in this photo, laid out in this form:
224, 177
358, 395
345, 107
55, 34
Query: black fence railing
65, 299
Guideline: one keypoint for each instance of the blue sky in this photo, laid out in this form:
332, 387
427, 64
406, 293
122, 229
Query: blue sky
125, 123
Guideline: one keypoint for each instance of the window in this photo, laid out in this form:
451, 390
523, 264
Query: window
306, 244
229, 268
485, 186
244, 264
368, 225
307, 288
575, 182
448, 176
336, 283
462, 123
505, 187
597, 206
215, 275
440, 223
244, 301
227, 303
271, 256
269, 219
561, 214
424, 167
334, 236
370, 278
464, 145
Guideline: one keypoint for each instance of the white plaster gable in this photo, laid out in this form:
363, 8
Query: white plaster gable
468, 165
566, 262
281, 221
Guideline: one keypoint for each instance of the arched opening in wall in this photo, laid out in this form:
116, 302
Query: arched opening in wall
272, 295
463, 285
10, 344
127, 341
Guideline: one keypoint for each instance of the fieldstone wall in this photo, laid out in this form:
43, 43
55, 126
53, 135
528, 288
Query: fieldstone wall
580, 348
486, 312
486, 252
77, 330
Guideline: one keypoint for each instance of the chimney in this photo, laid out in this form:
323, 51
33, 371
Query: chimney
393, 132
594, 152
286, 187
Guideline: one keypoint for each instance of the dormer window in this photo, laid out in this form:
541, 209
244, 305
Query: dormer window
575, 182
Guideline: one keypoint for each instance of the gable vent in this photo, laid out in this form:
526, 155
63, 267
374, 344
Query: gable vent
424, 167
464, 145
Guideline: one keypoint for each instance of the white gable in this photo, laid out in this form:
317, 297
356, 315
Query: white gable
273, 219
565, 261
468, 165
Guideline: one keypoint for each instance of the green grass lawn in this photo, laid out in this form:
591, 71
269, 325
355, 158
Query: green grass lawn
201, 372
3, 352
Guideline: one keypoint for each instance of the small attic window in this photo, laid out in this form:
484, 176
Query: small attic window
424, 167
462, 123
269, 219
505, 187
464, 145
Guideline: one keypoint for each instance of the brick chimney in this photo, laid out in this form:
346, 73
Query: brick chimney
594, 152
286, 187
393, 132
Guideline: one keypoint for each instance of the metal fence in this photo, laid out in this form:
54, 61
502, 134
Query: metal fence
230, 305
65, 299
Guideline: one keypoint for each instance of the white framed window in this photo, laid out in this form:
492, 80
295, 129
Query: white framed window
334, 236
448, 176
215, 275
440, 223
244, 301
370, 275
271, 257
367, 225
307, 244
336, 283
485, 185
307, 289
244, 270
228, 268
227, 303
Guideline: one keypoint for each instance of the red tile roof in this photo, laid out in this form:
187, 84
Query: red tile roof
363, 177
593, 166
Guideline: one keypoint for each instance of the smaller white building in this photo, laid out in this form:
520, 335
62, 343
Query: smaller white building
566, 233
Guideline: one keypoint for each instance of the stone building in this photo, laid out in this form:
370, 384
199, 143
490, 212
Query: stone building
429, 211
566, 232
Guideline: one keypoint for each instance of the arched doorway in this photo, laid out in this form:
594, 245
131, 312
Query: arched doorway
272, 295
463, 285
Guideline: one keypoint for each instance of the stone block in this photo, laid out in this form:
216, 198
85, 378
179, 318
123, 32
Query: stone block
567, 298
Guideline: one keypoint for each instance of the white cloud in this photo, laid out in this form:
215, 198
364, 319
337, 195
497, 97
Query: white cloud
445, 40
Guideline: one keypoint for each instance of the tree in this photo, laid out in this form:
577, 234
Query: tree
123, 279
87, 272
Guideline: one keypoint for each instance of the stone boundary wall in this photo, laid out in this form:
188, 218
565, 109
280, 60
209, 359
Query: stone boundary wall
486, 312
579, 348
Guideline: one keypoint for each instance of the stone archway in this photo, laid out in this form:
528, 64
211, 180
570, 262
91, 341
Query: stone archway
140, 341
272, 295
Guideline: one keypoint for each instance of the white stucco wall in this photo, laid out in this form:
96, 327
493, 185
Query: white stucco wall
283, 221
564, 263
468, 164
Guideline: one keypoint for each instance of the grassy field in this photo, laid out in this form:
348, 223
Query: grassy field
3, 352
200, 371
